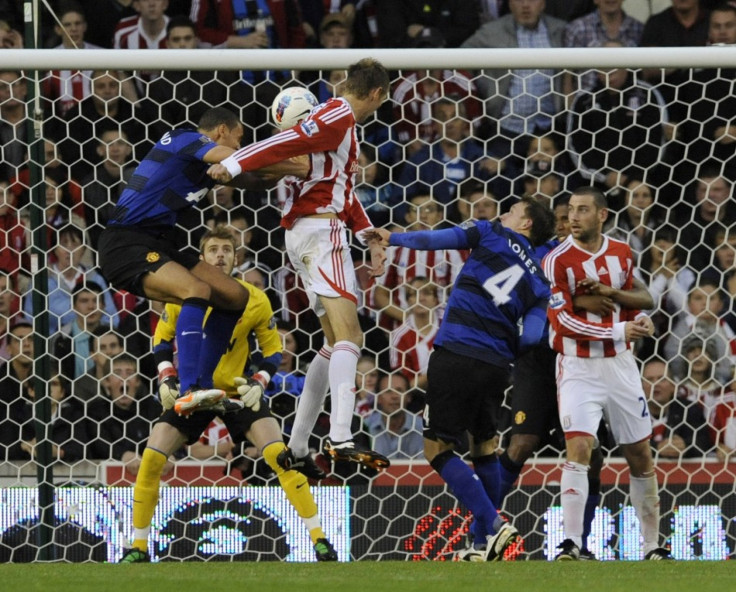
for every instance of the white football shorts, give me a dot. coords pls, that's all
(588, 388)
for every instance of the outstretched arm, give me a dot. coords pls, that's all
(423, 240)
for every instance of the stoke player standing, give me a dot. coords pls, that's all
(315, 218)
(597, 374)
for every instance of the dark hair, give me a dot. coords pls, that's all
(180, 20)
(85, 286)
(599, 198)
(366, 75)
(543, 220)
(724, 6)
(382, 375)
(70, 6)
(216, 116)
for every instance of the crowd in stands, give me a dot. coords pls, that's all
(451, 146)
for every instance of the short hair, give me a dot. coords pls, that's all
(599, 198)
(216, 116)
(723, 6)
(381, 375)
(219, 231)
(68, 6)
(543, 220)
(85, 286)
(365, 76)
(126, 358)
(180, 21)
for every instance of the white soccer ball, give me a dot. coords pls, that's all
(291, 106)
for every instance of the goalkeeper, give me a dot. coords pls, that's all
(246, 417)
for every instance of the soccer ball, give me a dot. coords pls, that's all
(291, 106)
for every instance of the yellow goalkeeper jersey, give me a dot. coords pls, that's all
(258, 317)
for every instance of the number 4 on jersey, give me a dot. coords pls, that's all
(502, 284)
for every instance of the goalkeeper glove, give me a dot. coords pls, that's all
(168, 389)
(251, 389)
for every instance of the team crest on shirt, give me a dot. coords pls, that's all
(152, 257)
(310, 128)
(557, 300)
(519, 418)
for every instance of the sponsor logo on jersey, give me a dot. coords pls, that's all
(152, 257)
(310, 128)
(519, 418)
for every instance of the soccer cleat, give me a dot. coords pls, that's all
(324, 551)
(350, 452)
(305, 464)
(135, 555)
(197, 399)
(228, 405)
(569, 551)
(586, 555)
(658, 554)
(506, 536)
(471, 554)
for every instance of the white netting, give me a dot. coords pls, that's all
(664, 155)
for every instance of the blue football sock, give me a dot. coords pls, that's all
(466, 487)
(189, 340)
(508, 473)
(218, 330)
(486, 467)
(588, 514)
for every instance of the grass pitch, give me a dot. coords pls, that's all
(525, 576)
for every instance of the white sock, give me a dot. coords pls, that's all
(644, 493)
(343, 365)
(574, 487)
(309, 403)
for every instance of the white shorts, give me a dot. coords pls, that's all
(319, 251)
(589, 388)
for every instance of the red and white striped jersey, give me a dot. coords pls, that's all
(723, 421)
(129, 34)
(581, 333)
(215, 433)
(410, 349)
(68, 87)
(403, 265)
(329, 136)
(707, 395)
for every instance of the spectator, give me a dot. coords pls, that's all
(180, 97)
(608, 22)
(14, 375)
(365, 385)
(71, 345)
(618, 129)
(146, 31)
(66, 274)
(724, 255)
(403, 265)
(454, 157)
(288, 382)
(476, 202)
(60, 208)
(103, 186)
(105, 109)
(65, 88)
(121, 416)
(709, 131)
(372, 187)
(723, 424)
(401, 23)
(106, 345)
(684, 24)
(13, 235)
(396, 432)
(704, 317)
(9, 37)
(679, 429)
(664, 271)
(411, 342)
(13, 123)
(67, 429)
(107, 15)
(636, 223)
(335, 31)
(9, 306)
(522, 101)
(698, 380)
(714, 210)
(414, 96)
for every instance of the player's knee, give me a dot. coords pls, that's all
(270, 454)
(521, 447)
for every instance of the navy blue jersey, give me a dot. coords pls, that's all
(171, 178)
(539, 253)
(499, 284)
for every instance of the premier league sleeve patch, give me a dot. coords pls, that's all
(310, 128)
(557, 300)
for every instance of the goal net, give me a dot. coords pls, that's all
(445, 149)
